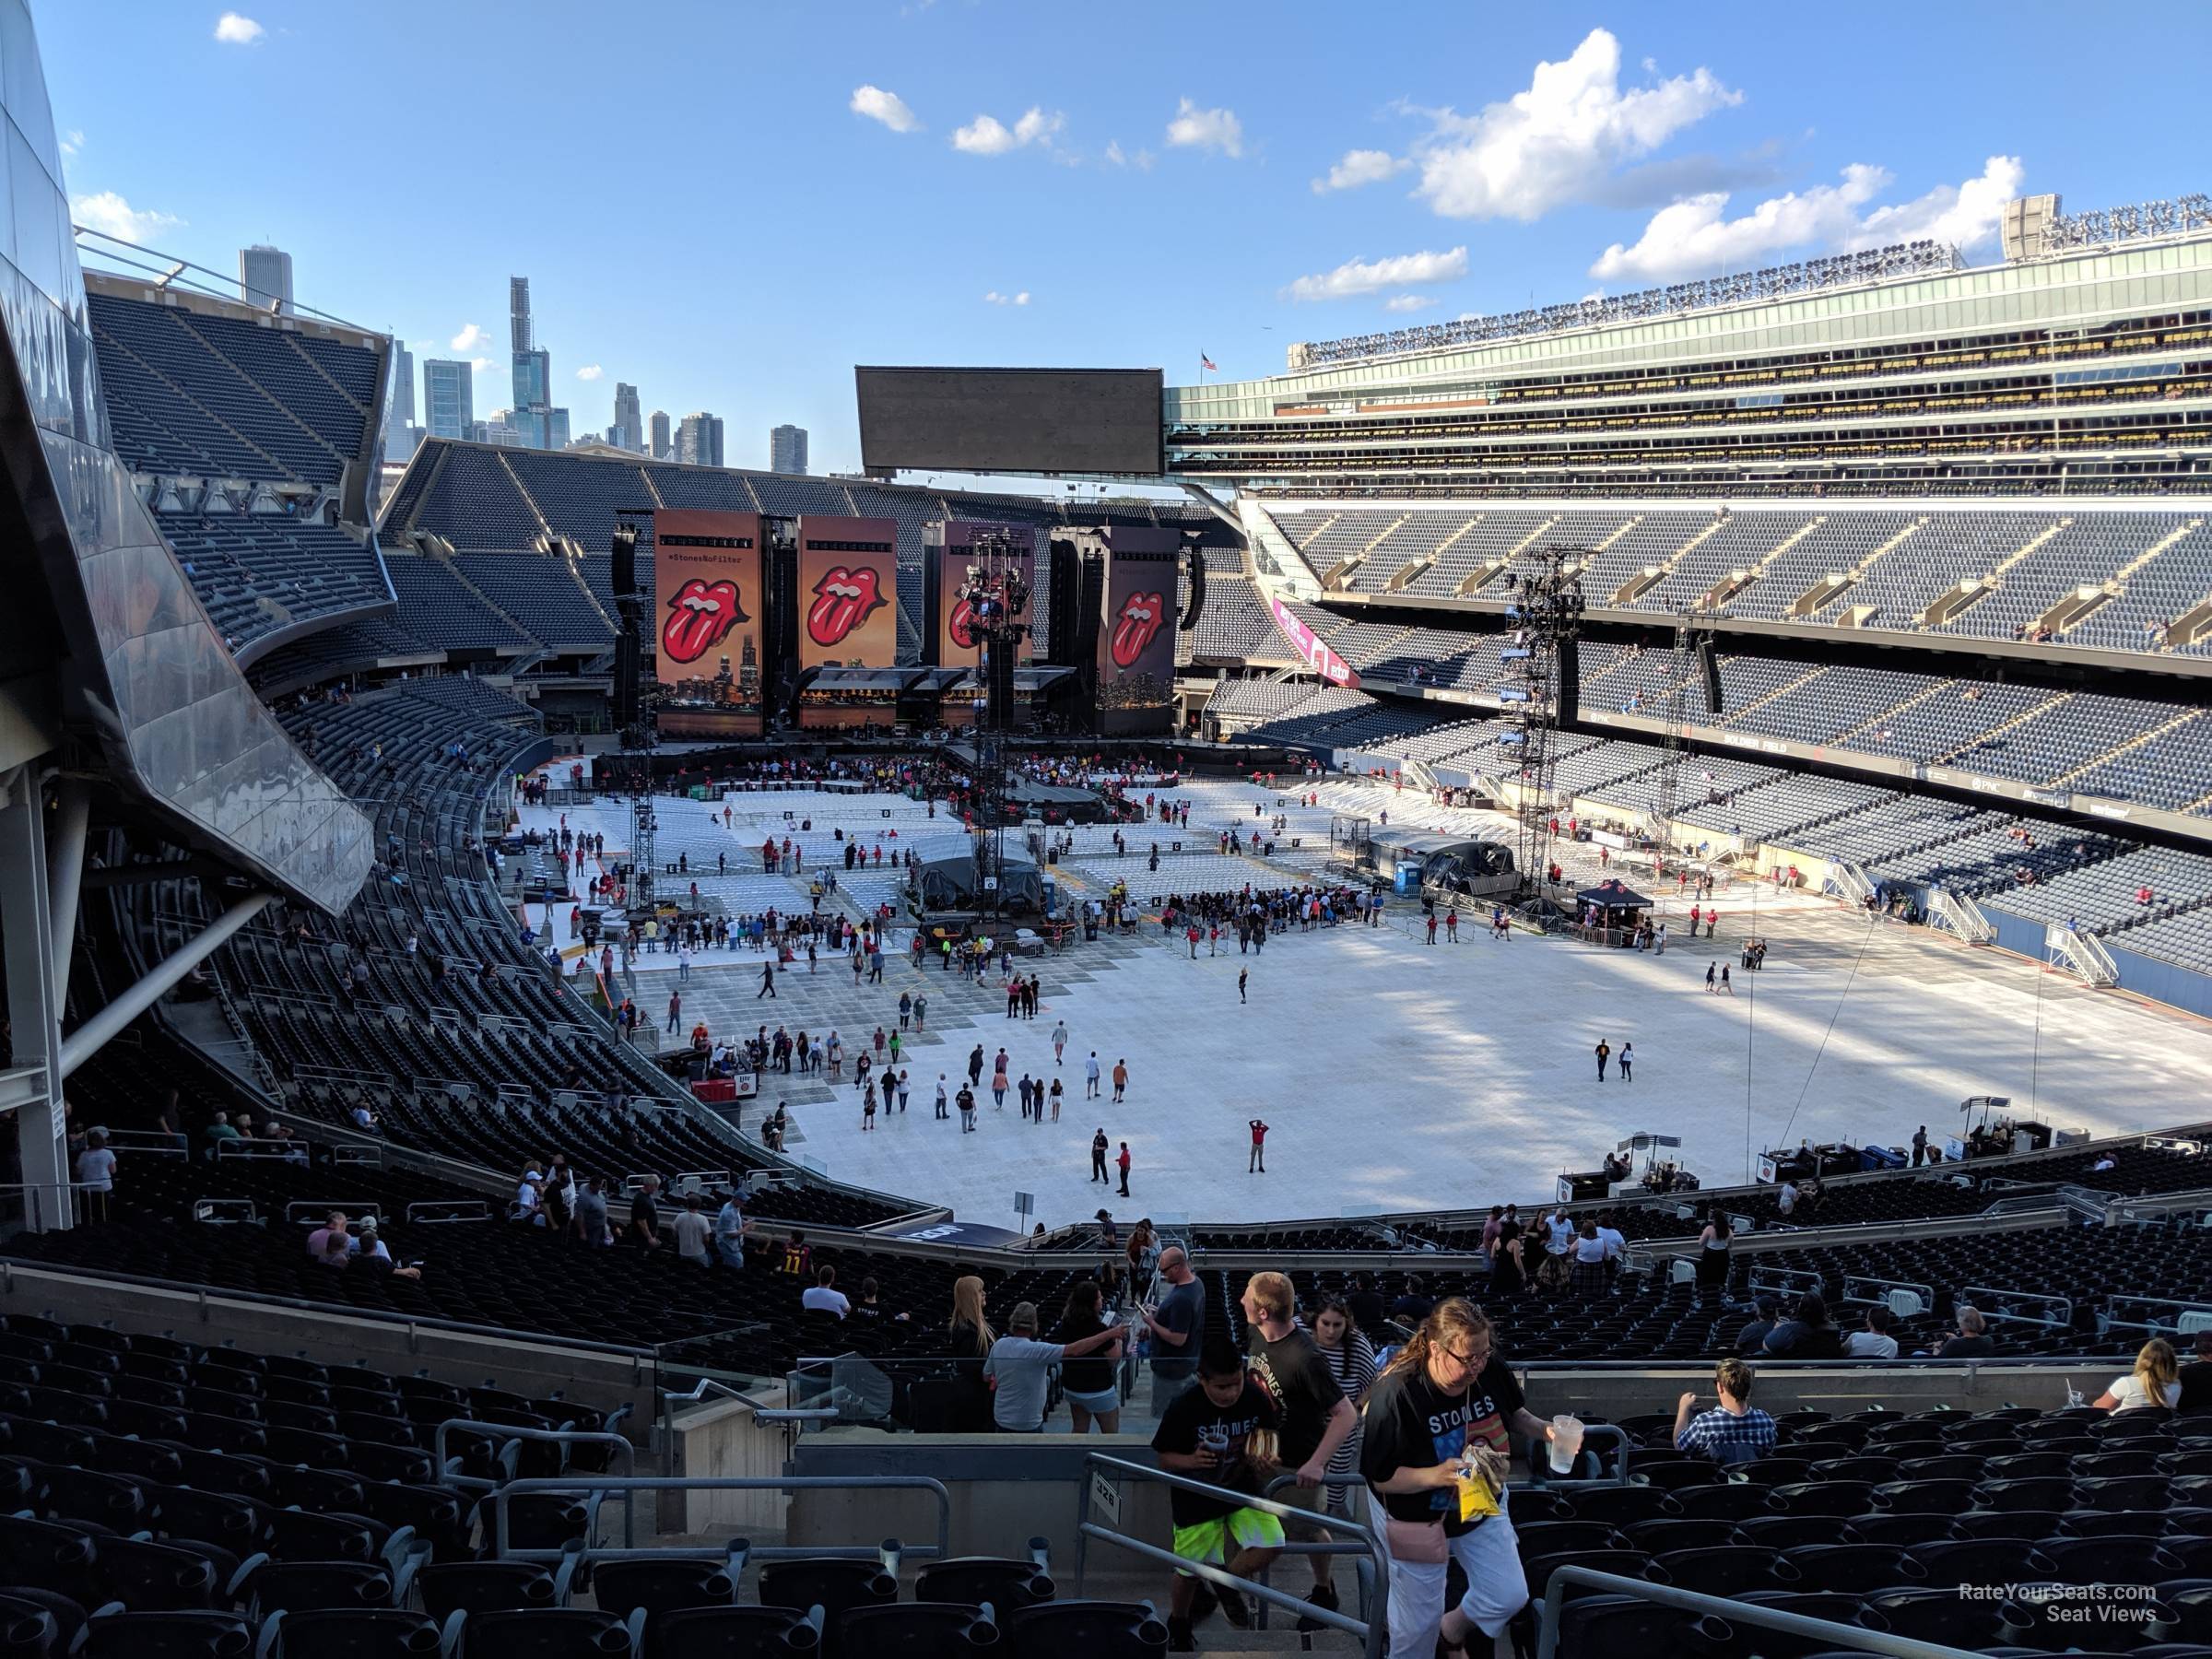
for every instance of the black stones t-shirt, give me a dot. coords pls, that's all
(1411, 1423)
(1296, 1375)
(1193, 1423)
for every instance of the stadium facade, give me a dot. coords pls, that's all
(2086, 368)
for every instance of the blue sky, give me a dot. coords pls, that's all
(731, 204)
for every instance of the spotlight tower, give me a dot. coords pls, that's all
(996, 594)
(1542, 673)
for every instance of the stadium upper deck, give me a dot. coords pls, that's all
(2089, 369)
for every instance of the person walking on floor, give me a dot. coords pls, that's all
(1123, 1161)
(942, 1113)
(966, 1101)
(1120, 1079)
(767, 980)
(1243, 975)
(1726, 983)
(1604, 1053)
(675, 1009)
(1628, 1063)
(1711, 971)
(906, 1007)
(1432, 928)
(1098, 1155)
(1091, 1077)
(1059, 1039)
(1257, 1163)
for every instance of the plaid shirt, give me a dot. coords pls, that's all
(1727, 1438)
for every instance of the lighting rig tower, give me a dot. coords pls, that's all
(1541, 689)
(996, 594)
(634, 723)
(1693, 658)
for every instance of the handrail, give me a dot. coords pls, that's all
(765, 1411)
(558, 1437)
(1369, 1631)
(1822, 1633)
(1998, 1304)
(587, 1486)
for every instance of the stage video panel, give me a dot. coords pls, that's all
(848, 592)
(707, 641)
(1136, 635)
(1010, 421)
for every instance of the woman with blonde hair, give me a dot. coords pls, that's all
(2156, 1380)
(969, 1340)
(1434, 1447)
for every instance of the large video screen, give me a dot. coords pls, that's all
(1136, 635)
(706, 581)
(848, 592)
(1010, 421)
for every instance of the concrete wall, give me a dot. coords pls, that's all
(725, 1440)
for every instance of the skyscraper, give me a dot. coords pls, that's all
(787, 449)
(533, 413)
(660, 435)
(628, 431)
(699, 439)
(449, 398)
(401, 412)
(264, 274)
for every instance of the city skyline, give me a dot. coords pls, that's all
(1475, 165)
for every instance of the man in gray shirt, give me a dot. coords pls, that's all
(590, 1212)
(1019, 1367)
(1177, 1327)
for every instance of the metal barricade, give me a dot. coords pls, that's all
(624, 1486)
(1369, 1630)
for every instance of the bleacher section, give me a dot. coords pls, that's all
(2084, 574)
(259, 574)
(216, 397)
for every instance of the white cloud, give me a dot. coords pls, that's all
(590, 372)
(232, 29)
(469, 338)
(1361, 276)
(1193, 128)
(1114, 154)
(1140, 158)
(995, 298)
(988, 135)
(1962, 214)
(1694, 237)
(72, 141)
(1360, 167)
(1557, 142)
(1407, 302)
(481, 365)
(112, 216)
(886, 107)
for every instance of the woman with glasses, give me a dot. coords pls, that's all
(1433, 1451)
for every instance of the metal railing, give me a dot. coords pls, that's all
(2018, 1307)
(1821, 1634)
(589, 1486)
(624, 1451)
(1369, 1630)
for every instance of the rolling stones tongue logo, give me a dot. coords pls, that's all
(1133, 629)
(962, 625)
(844, 599)
(700, 615)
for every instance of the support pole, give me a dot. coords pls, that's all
(34, 1012)
(64, 872)
(81, 1044)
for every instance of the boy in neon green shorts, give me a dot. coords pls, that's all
(1207, 1434)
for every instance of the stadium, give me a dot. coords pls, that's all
(1673, 832)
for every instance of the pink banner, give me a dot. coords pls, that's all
(1318, 657)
